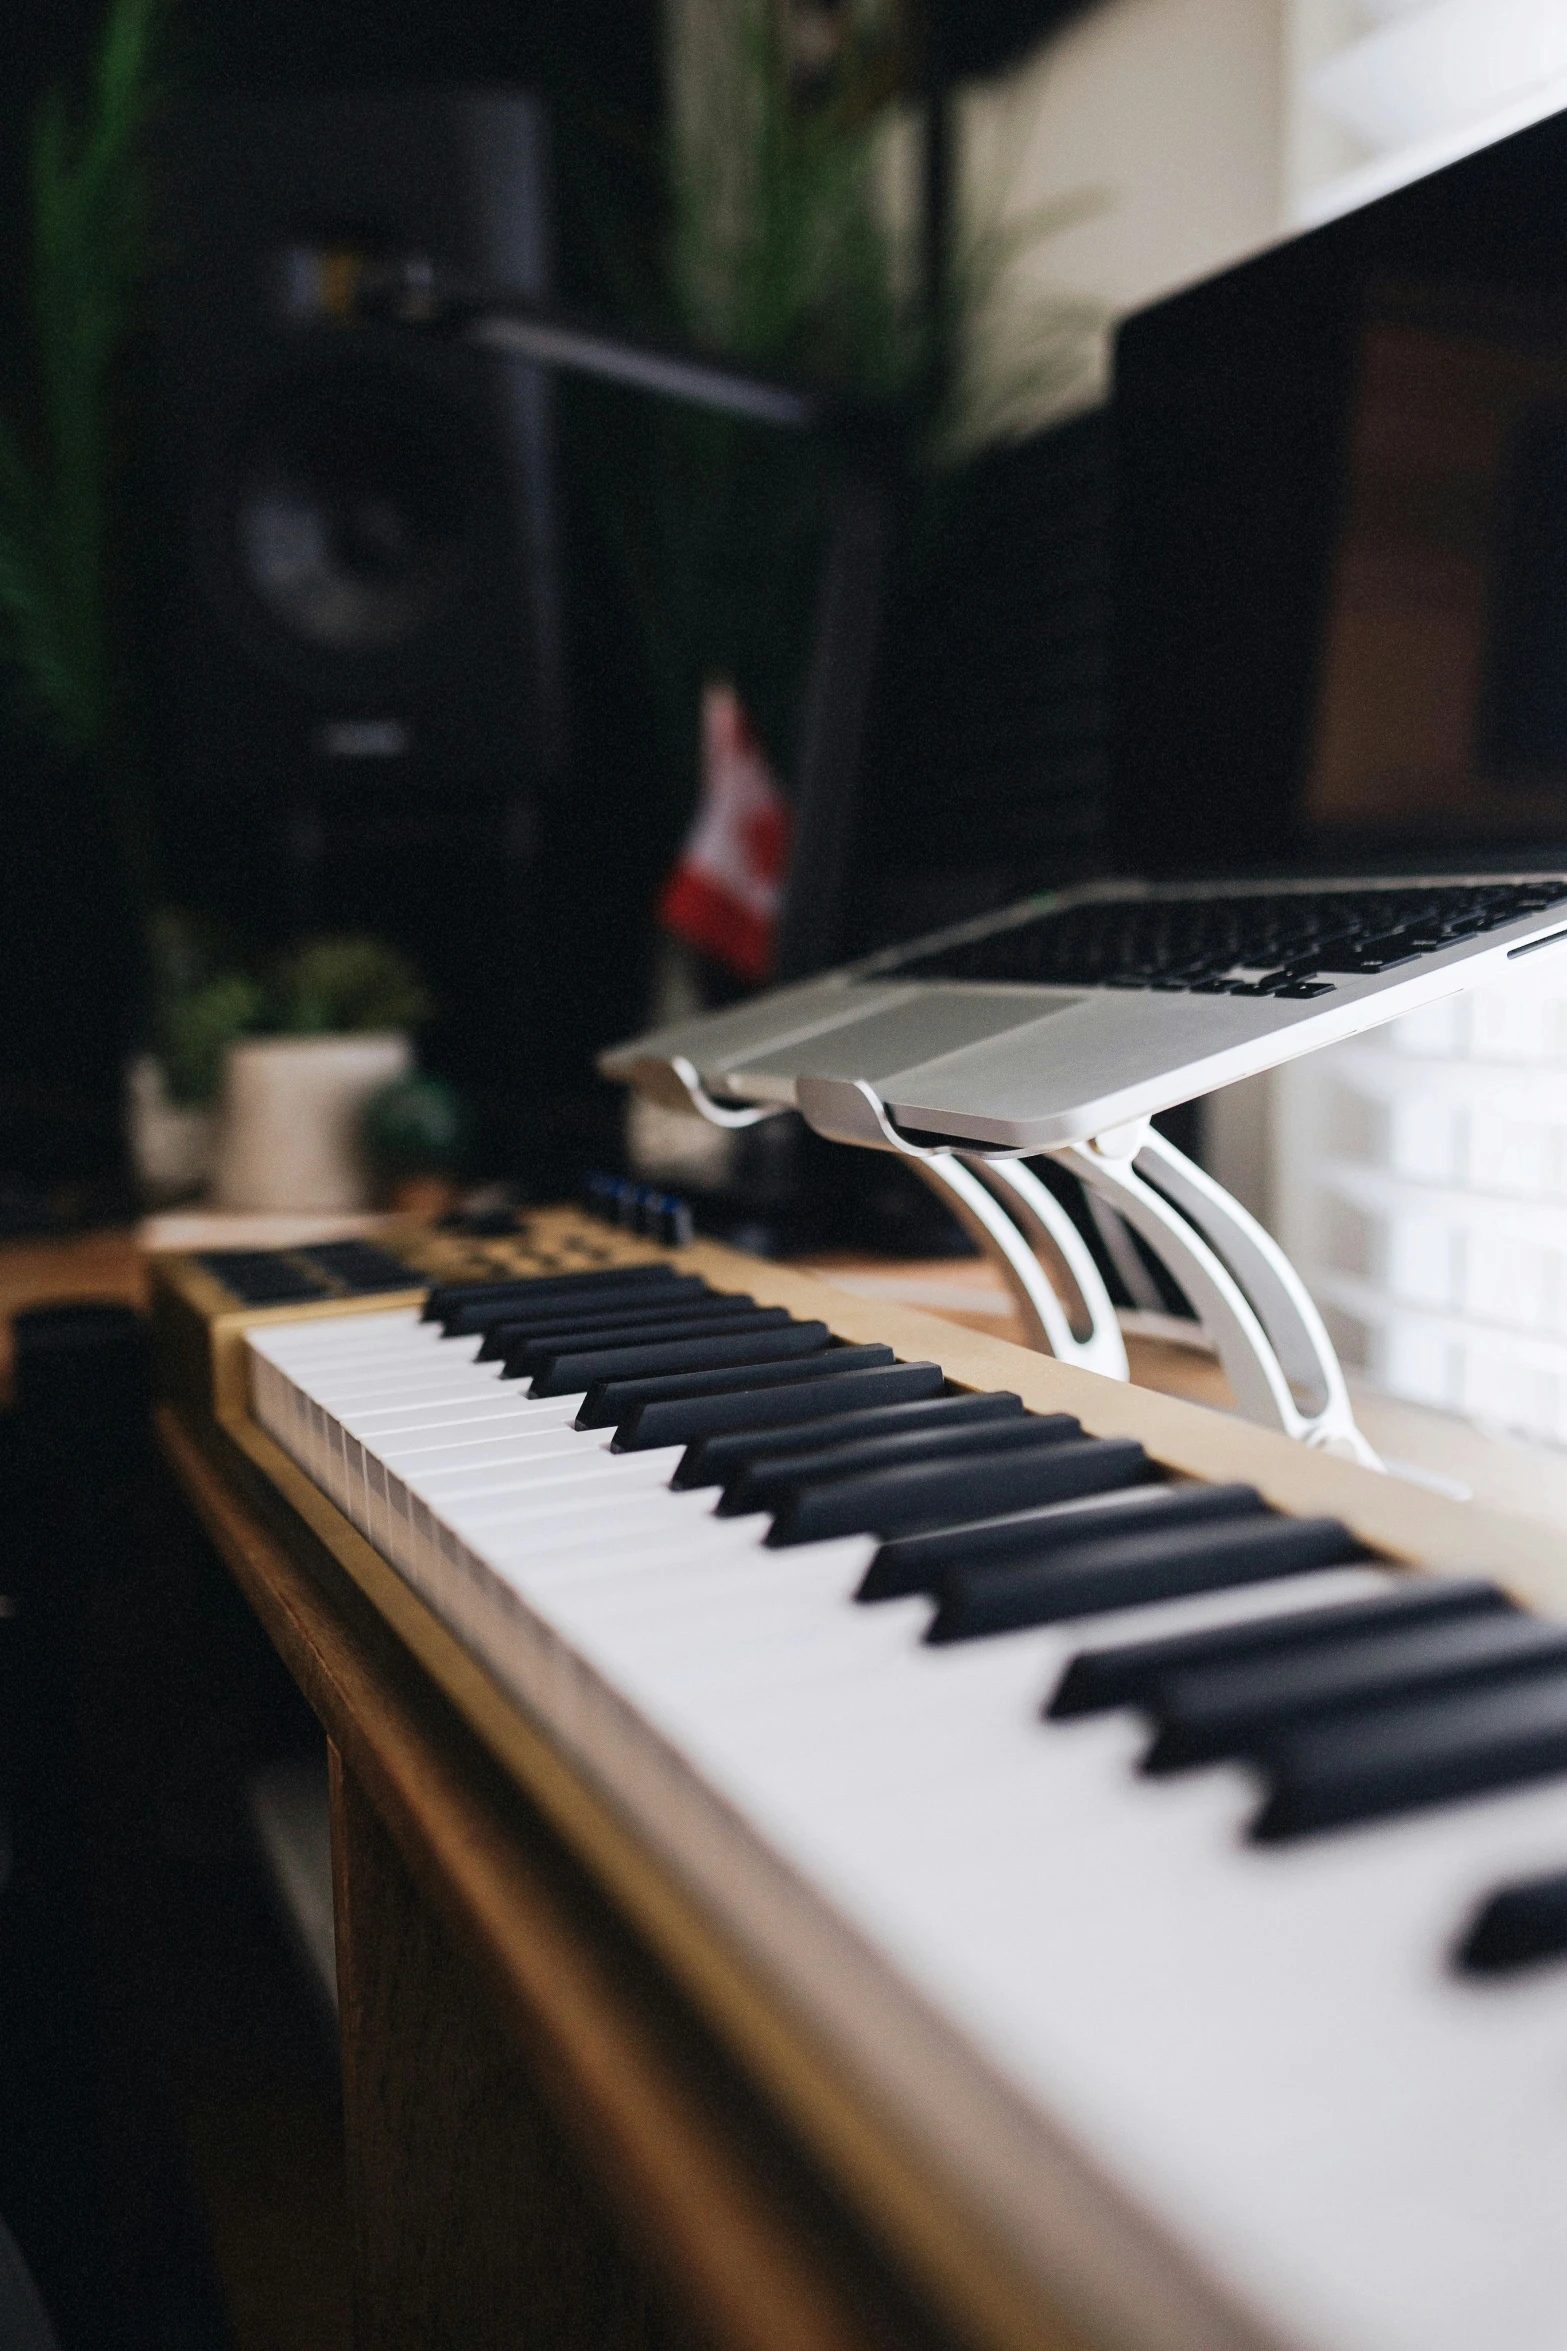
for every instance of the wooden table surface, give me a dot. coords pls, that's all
(88, 1265)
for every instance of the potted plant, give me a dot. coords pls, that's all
(338, 1021)
(201, 1003)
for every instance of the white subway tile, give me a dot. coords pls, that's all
(1427, 1139)
(1423, 1256)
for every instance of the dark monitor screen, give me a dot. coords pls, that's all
(1341, 540)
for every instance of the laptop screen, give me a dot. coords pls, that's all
(1341, 542)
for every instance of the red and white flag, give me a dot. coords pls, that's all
(724, 894)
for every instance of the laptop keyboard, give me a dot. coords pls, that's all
(1293, 944)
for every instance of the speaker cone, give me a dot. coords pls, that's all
(348, 516)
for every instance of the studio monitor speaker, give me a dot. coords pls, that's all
(362, 690)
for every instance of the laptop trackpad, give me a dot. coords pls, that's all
(938, 1020)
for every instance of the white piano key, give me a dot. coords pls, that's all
(502, 1413)
(509, 1458)
(381, 1371)
(574, 1492)
(453, 1421)
(580, 1502)
(320, 1344)
(454, 1446)
(386, 1394)
(578, 1545)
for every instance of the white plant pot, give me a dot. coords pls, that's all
(171, 1144)
(288, 1135)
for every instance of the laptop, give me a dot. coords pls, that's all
(1339, 755)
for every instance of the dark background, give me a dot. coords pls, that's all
(70, 985)
(990, 701)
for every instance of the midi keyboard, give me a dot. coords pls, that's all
(1160, 1831)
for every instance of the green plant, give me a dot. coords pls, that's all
(784, 245)
(790, 245)
(202, 1004)
(414, 1126)
(772, 249)
(205, 1000)
(336, 986)
(780, 245)
(90, 205)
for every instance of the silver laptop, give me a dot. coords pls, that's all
(1076, 1013)
(1340, 678)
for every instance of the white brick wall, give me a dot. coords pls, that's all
(1420, 1183)
(1381, 91)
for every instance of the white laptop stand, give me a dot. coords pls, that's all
(1252, 1304)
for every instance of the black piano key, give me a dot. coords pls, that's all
(767, 1341)
(500, 1338)
(774, 1485)
(1098, 1679)
(525, 1313)
(920, 1563)
(1211, 1711)
(1396, 1759)
(622, 1404)
(445, 1297)
(1519, 1925)
(534, 1350)
(718, 1460)
(885, 1502)
(525, 1308)
(1132, 1571)
(792, 1393)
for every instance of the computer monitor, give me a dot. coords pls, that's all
(1340, 560)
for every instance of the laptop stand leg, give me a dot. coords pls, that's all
(1248, 1297)
(1002, 1206)
(1093, 1335)
(1015, 1232)
(1008, 1212)
(1250, 1300)
(1122, 1252)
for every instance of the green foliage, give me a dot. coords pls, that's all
(201, 1005)
(780, 250)
(414, 1126)
(332, 987)
(1018, 353)
(783, 247)
(778, 253)
(90, 218)
(205, 999)
(197, 1030)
